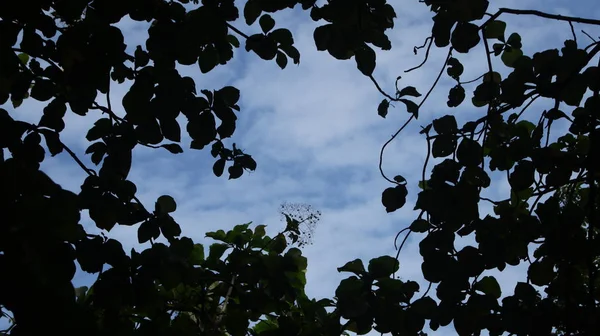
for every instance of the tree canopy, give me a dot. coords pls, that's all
(68, 55)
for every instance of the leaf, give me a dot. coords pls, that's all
(219, 167)
(455, 68)
(173, 148)
(456, 96)
(383, 107)
(445, 125)
(495, 29)
(230, 94)
(510, 56)
(541, 272)
(394, 198)
(465, 36)
(233, 40)
(24, 58)
(383, 266)
(411, 107)
(266, 23)
(252, 11)
(356, 266)
(489, 286)
(281, 60)
(425, 307)
(365, 60)
(148, 230)
(469, 153)
(208, 59)
(420, 226)
(170, 129)
(235, 171)
(165, 204)
(409, 91)
(523, 175)
(514, 40)
(53, 142)
(443, 145)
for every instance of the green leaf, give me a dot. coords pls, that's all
(443, 145)
(24, 58)
(266, 23)
(541, 272)
(215, 251)
(230, 94)
(455, 68)
(445, 125)
(510, 56)
(365, 60)
(235, 171)
(281, 60)
(148, 230)
(425, 307)
(411, 107)
(233, 41)
(465, 36)
(469, 153)
(394, 198)
(514, 40)
(489, 286)
(456, 96)
(356, 266)
(165, 204)
(523, 176)
(383, 107)
(383, 266)
(219, 167)
(420, 225)
(495, 29)
(409, 91)
(252, 11)
(173, 148)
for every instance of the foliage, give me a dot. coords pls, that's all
(68, 53)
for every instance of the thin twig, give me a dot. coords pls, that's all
(588, 35)
(411, 117)
(430, 38)
(573, 31)
(239, 32)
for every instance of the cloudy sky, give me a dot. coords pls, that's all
(316, 135)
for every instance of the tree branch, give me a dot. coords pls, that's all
(544, 15)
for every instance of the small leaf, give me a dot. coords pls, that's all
(409, 91)
(230, 94)
(455, 68)
(383, 107)
(411, 107)
(445, 125)
(383, 266)
(394, 198)
(233, 41)
(266, 23)
(281, 60)
(252, 11)
(514, 40)
(165, 204)
(465, 36)
(365, 60)
(356, 266)
(489, 286)
(219, 167)
(148, 230)
(173, 148)
(235, 171)
(495, 29)
(420, 226)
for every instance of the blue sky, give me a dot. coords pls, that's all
(316, 135)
